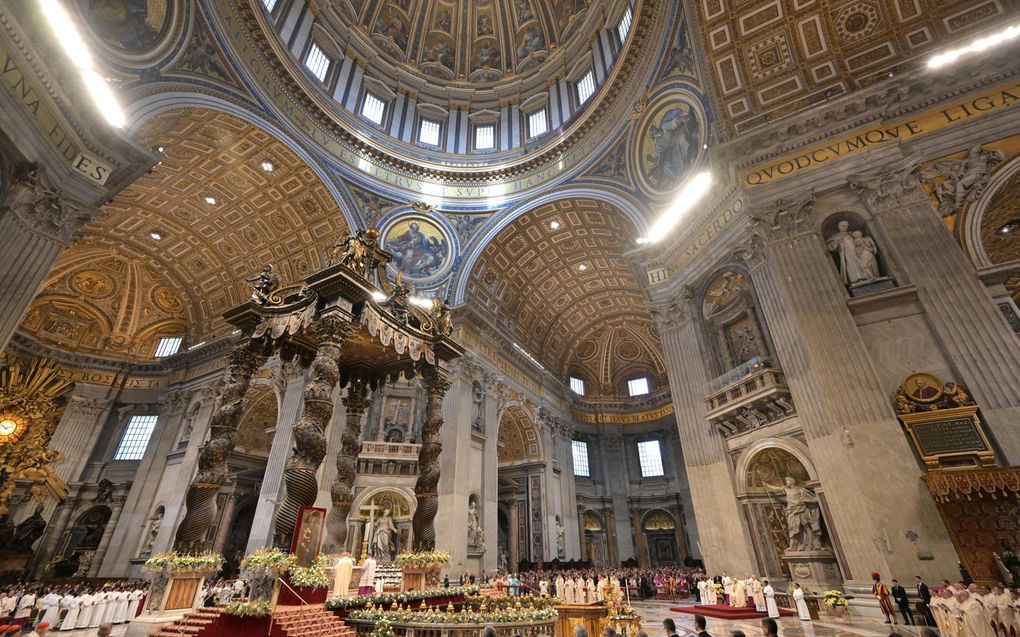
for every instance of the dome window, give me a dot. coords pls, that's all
(373, 108)
(538, 123)
(168, 346)
(637, 386)
(623, 28)
(585, 88)
(317, 62)
(485, 137)
(428, 132)
(577, 385)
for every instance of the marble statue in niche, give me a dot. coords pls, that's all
(803, 515)
(561, 534)
(857, 255)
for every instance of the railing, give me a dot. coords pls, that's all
(737, 374)
(547, 628)
(400, 450)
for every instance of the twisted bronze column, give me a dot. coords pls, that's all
(200, 501)
(423, 523)
(309, 432)
(346, 467)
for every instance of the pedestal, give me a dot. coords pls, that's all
(171, 597)
(414, 580)
(816, 571)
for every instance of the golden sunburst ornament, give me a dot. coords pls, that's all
(29, 411)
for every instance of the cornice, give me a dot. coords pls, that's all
(25, 345)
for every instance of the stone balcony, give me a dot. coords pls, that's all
(751, 396)
(388, 458)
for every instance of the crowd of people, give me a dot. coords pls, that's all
(585, 585)
(222, 591)
(40, 608)
(960, 610)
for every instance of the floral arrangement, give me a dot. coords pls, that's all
(313, 576)
(720, 591)
(174, 562)
(450, 616)
(423, 558)
(382, 629)
(269, 561)
(503, 602)
(833, 599)
(388, 599)
(249, 609)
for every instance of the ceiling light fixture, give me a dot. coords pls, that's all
(156, 235)
(980, 44)
(555, 225)
(209, 199)
(159, 149)
(582, 267)
(267, 166)
(690, 194)
(78, 53)
(1009, 227)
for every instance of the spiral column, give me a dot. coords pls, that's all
(200, 501)
(357, 402)
(423, 523)
(309, 432)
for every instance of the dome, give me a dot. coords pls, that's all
(471, 41)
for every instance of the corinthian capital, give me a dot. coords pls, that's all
(889, 187)
(674, 311)
(44, 210)
(781, 219)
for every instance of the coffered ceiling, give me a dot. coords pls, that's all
(569, 297)
(774, 57)
(166, 260)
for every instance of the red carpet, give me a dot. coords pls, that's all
(719, 611)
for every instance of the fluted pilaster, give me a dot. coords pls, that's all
(36, 223)
(959, 307)
(346, 467)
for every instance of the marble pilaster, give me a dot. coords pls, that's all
(711, 480)
(290, 391)
(957, 304)
(836, 390)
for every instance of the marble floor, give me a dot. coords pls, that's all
(653, 612)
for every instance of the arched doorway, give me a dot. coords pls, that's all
(659, 529)
(595, 541)
(382, 524)
(521, 487)
(82, 542)
(237, 537)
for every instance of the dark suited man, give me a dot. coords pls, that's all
(899, 595)
(925, 595)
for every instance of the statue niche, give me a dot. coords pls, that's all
(856, 256)
(732, 323)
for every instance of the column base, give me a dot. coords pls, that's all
(816, 571)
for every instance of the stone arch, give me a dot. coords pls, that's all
(658, 520)
(792, 448)
(261, 411)
(998, 204)
(518, 440)
(402, 503)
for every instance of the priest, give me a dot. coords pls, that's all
(770, 600)
(342, 575)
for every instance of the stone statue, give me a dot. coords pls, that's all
(857, 255)
(1008, 563)
(26, 533)
(263, 285)
(965, 178)
(472, 522)
(477, 398)
(383, 534)
(151, 532)
(501, 561)
(561, 534)
(803, 516)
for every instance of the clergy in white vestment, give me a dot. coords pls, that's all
(579, 591)
(1007, 612)
(712, 592)
(974, 615)
(123, 604)
(24, 609)
(727, 584)
(702, 591)
(49, 604)
(739, 597)
(543, 588)
(770, 600)
(366, 586)
(99, 609)
(135, 605)
(758, 595)
(7, 606)
(802, 609)
(342, 575)
(85, 608)
(72, 603)
(568, 591)
(560, 593)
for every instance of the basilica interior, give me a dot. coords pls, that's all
(720, 284)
